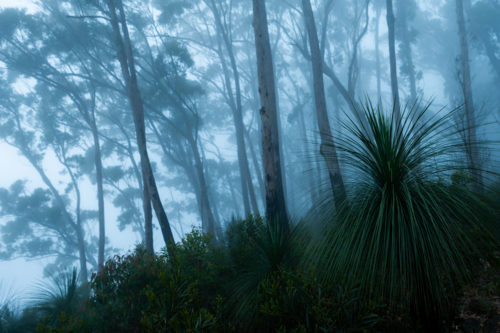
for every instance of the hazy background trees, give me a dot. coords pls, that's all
(75, 85)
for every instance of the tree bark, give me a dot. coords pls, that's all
(275, 200)
(392, 59)
(470, 130)
(328, 149)
(126, 59)
(148, 220)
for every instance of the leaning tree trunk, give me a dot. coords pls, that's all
(392, 59)
(126, 59)
(328, 149)
(275, 200)
(470, 130)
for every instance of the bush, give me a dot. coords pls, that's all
(301, 304)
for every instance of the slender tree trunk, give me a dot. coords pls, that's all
(471, 145)
(238, 116)
(100, 191)
(328, 149)
(256, 166)
(148, 221)
(402, 14)
(275, 200)
(255, 102)
(377, 51)
(211, 194)
(392, 58)
(126, 59)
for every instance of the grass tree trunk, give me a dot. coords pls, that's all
(328, 149)
(470, 126)
(275, 200)
(126, 59)
(392, 60)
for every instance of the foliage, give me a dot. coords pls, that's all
(64, 294)
(131, 292)
(413, 235)
(174, 306)
(300, 302)
(257, 249)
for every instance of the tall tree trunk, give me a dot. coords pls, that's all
(126, 59)
(378, 12)
(100, 191)
(471, 143)
(207, 215)
(403, 16)
(211, 194)
(256, 165)
(392, 59)
(238, 116)
(148, 220)
(255, 103)
(275, 200)
(328, 149)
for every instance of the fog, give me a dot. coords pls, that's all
(62, 90)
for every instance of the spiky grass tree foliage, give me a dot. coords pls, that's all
(264, 248)
(62, 293)
(408, 233)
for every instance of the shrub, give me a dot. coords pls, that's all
(302, 304)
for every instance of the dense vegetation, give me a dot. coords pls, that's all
(227, 114)
(411, 236)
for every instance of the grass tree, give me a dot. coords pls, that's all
(410, 233)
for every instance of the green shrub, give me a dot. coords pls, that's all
(174, 307)
(301, 304)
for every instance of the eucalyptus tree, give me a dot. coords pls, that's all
(214, 26)
(392, 59)
(38, 47)
(275, 199)
(406, 11)
(327, 149)
(173, 103)
(44, 218)
(126, 59)
(484, 24)
(470, 127)
(298, 37)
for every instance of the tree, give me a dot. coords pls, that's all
(392, 59)
(46, 210)
(275, 199)
(470, 128)
(327, 150)
(405, 13)
(36, 64)
(126, 58)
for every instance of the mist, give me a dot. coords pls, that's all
(126, 122)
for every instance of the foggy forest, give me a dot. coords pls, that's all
(250, 166)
